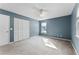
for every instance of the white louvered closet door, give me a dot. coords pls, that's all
(21, 29)
(26, 29)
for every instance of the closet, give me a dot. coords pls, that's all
(21, 29)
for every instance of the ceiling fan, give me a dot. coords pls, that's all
(41, 11)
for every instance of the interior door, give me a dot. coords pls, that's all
(4, 29)
(21, 29)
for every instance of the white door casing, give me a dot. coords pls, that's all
(4, 29)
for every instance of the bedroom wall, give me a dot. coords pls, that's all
(58, 27)
(34, 30)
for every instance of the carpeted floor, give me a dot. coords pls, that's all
(38, 45)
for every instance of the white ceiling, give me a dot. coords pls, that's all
(53, 10)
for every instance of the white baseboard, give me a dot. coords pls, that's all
(13, 42)
(57, 38)
(62, 39)
(74, 48)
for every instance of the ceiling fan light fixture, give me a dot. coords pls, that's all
(43, 13)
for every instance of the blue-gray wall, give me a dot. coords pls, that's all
(34, 28)
(59, 27)
(75, 40)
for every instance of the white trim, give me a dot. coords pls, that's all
(74, 48)
(56, 38)
(63, 39)
(18, 41)
(14, 42)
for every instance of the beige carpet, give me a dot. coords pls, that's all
(38, 45)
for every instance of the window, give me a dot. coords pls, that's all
(43, 27)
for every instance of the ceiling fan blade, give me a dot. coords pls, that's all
(35, 8)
